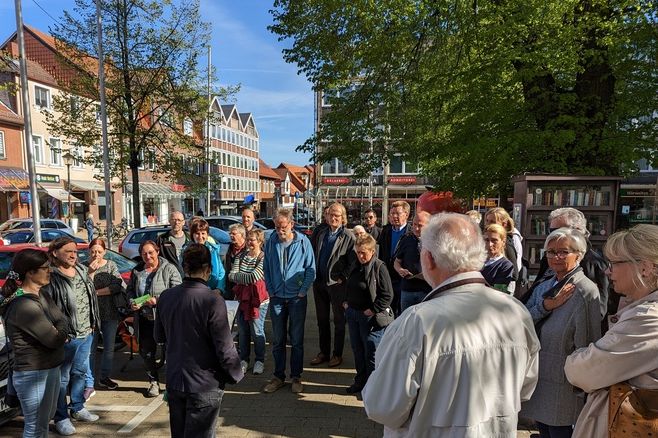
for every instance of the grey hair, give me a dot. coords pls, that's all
(576, 240)
(284, 212)
(358, 227)
(455, 242)
(574, 218)
(239, 227)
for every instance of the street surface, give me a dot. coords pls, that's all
(322, 410)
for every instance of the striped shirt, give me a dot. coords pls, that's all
(247, 269)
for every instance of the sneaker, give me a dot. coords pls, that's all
(84, 415)
(259, 367)
(154, 390)
(108, 383)
(297, 386)
(64, 427)
(273, 385)
(244, 365)
(89, 392)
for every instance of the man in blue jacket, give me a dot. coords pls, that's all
(289, 273)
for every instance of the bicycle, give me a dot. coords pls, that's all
(118, 231)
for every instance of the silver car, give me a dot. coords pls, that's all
(129, 247)
(29, 223)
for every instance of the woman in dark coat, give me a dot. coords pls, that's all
(367, 308)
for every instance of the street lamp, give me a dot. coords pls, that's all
(69, 159)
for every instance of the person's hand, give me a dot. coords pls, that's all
(339, 281)
(404, 273)
(368, 313)
(562, 297)
(301, 296)
(151, 302)
(134, 307)
(345, 305)
(94, 264)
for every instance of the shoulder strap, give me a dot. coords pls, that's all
(436, 292)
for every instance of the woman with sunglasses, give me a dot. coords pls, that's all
(565, 310)
(627, 352)
(37, 330)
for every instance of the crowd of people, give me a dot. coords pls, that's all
(448, 336)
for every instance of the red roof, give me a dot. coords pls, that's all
(9, 116)
(266, 171)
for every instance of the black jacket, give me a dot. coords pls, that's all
(594, 267)
(375, 231)
(384, 243)
(340, 258)
(168, 249)
(192, 321)
(60, 290)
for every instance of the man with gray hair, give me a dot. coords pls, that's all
(593, 264)
(461, 362)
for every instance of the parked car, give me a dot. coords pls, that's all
(223, 222)
(268, 223)
(129, 246)
(29, 223)
(26, 235)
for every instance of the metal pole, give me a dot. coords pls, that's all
(109, 200)
(68, 188)
(27, 120)
(208, 136)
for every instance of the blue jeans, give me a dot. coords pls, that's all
(284, 312)
(408, 299)
(252, 328)
(109, 330)
(37, 390)
(364, 339)
(74, 369)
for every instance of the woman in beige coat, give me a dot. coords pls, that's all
(627, 352)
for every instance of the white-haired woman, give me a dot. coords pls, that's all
(565, 310)
(627, 352)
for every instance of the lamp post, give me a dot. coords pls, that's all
(68, 162)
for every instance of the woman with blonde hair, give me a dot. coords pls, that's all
(626, 354)
(500, 216)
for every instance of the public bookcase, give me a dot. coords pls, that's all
(535, 196)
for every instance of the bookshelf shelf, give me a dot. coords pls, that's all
(535, 196)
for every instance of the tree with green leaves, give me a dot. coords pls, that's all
(154, 88)
(479, 91)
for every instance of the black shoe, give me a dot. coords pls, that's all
(353, 389)
(108, 383)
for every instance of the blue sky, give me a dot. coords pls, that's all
(243, 52)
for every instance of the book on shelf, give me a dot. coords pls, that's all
(591, 196)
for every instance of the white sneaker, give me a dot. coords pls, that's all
(84, 415)
(244, 365)
(259, 367)
(64, 427)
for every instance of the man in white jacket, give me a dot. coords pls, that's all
(459, 363)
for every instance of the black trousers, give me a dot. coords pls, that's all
(148, 348)
(328, 299)
(194, 415)
(395, 304)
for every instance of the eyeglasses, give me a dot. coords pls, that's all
(45, 267)
(612, 263)
(561, 254)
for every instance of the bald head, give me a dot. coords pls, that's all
(451, 244)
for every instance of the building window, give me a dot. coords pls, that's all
(187, 127)
(395, 166)
(79, 156)
(55, 152)
(41, 97)
(3, 152)
(38, 149)
(151, 160)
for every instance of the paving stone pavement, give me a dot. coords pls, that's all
(322, 410)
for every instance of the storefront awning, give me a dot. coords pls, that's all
(13, 179)
(155, 190)
(62, 195)
(98, 186)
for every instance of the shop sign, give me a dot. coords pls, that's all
(402, 180)
(178, 188)
(485, 202)
(375, 179)
(47, 178)
(636, 192)
(336, 181)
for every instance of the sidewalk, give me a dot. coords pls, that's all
(322, 410)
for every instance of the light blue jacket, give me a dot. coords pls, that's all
(217, 279)
(297, 274)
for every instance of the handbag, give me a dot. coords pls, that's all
(632, 412)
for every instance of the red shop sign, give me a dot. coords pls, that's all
(335, 181)
(402, 180)
(178, 187)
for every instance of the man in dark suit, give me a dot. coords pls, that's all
(370, 223)
(388, 243)
(201, 359)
